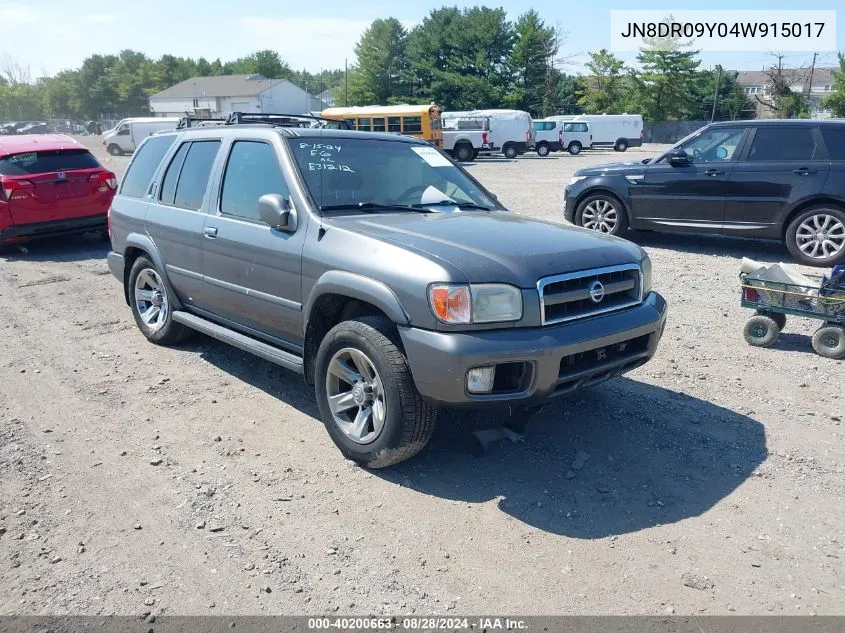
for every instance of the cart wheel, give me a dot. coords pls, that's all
(777, 317)
(761, 331)
(829, 341)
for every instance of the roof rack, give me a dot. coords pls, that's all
(286, 120)
(192, 121)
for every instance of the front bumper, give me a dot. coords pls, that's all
(562, 358)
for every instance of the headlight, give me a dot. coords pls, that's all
(477, 303)
(575, 179)
(645, 264)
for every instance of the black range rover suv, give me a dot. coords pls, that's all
(774, 179)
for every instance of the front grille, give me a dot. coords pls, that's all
(589, 292)
(598, 364)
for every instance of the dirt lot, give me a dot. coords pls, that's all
(198, 480)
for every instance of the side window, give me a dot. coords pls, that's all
(196, 171)
(251, 171)
(143, 165)
(378, 125)
(776, 143)
(580, 127)
(834, 140)
(715, 145)
(412, 125)
(171, 176)
(568, 127)
(364, 125)
(394, 124)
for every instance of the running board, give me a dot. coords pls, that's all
(241, 341)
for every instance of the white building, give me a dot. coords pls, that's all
(219, 96)
(754, 85)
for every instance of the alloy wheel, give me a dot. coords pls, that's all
(600, 215)
(151, 299)
(356, 395)
(821, 236)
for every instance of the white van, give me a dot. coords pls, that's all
(619, 131)
(554, 135)
(124, 137)
(512, 130)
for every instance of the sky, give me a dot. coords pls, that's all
(52, 35)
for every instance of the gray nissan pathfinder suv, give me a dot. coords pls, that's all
(377, 268)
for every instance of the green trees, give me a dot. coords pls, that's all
(532, 66)
(602, 90)
(836, 100)
(382, 64)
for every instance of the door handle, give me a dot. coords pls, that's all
(803, 171)
(210, 232)
(714, 172)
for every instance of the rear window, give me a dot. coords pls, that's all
(143, 165)
(29, 163)
(834, 140)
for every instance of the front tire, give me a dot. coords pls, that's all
(366, 394)
(816, 236)
(543, 150)
(574, 148)
(761, 331)
(152, 306)
(602, 213)
(829, 341)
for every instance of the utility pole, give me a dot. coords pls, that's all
(716, 93)
(346, 82)
(812, 71)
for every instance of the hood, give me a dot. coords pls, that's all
(496, 246)
(612, 168)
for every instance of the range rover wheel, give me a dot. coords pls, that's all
(114, 150)
(543, 149)
(761, 331)
(621, 145)
(602, 213)
(510, 151)
(829, 341)
(151, 305)
(816, 237)
(574, 148)
(366, 394)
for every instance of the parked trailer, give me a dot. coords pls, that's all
(512, 130)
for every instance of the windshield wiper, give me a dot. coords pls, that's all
(451, 203)
(370, 207)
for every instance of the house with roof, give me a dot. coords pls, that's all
(212, 97)
(817, 85)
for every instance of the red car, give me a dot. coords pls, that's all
(51, 185)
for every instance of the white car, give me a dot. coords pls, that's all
(555, 135)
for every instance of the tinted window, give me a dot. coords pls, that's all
(43, 162)
(143, 165)
(251, 171)
(412, 125)
(784, 143)
(834, 140)
(714, 145)
(364, 125)
(171, 177)
(378, 125)
(195, 174)
(394, 124)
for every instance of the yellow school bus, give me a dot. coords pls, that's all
(422, 121)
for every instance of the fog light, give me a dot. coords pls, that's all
(480, 379)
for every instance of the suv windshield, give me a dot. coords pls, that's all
(350, 173)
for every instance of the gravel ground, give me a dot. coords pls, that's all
(198, 480)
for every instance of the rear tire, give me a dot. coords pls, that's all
(761, 331)
(621, 145)
(402, 424)
(777, 317)
(464, 152)
(148, 291)
(802, 236)
(574, 148)
(510, 151)
(114, 150)
(543, 149)
(829, 341)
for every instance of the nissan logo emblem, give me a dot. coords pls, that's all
(596, 291)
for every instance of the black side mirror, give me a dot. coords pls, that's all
(679, 158)
(277, 211)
